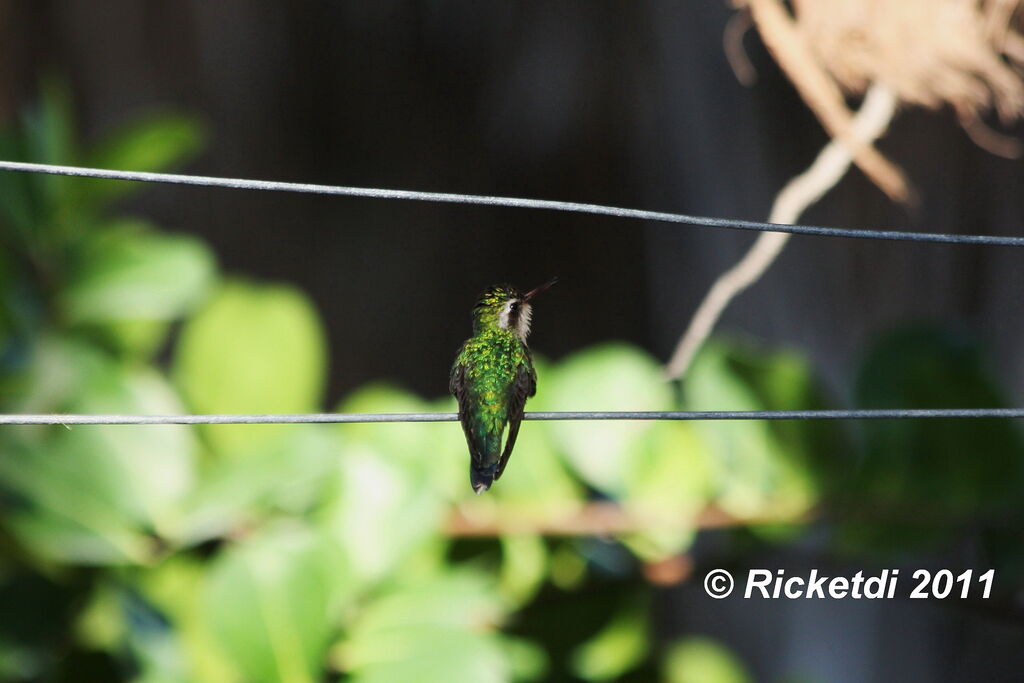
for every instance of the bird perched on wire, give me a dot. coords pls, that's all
(492, 377)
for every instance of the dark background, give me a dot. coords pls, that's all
(629, 104)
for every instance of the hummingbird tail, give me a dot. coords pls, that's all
(482, 477)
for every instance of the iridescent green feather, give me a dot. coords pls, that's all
(492, 377)
(491, 360)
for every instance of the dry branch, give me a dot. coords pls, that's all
(599, 519)
(805, 189)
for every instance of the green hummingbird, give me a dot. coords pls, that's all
(492, 377)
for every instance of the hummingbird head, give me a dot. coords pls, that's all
(504, 307)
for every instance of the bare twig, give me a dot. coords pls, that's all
(601, 519)
(1005, 146)
(802, 191)
(732, 44)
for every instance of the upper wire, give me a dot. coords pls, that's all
(334, 418)
(511, 202)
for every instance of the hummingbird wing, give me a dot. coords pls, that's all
(524, 387)
(458, 387)
(457, 381)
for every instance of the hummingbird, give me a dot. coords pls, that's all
(492, 377)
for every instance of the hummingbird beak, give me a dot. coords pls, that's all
(537, 290)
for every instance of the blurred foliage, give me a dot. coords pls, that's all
(702, 660)
(928, 476)
(295, 552)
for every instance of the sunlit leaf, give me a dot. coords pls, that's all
(251, 349)
(101, 624)
(568, 567)
(151, 143)
(528, 660)
(91, 494)
(133, 280)
(280, 475)
(524, 563)
(380, 510)
(535, 484)
(610, 377)
(449, 459)
(436, 655)
(702, 660)
(434, 631)
(176, 587)
(753, 473)
(270, 602)
(783, 380)
(390, 483)
(669, 483)
(409, 442)
(618, 647)
(130, 271)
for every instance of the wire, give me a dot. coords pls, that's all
(512, 202)
(332, 418)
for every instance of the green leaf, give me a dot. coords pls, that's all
(50, 139)
(152, 143)
(101, 623)
(440, 630)
(176, 588)
(609, 377)
(702, 660)
(783, 380)
(920, 477)
(669, 484)
(528, 660)
(18, 207)
(94, 494)
(460, 598)
(386, 499)
(620, 646)
(269, 603)
(434, 451)
(449, 455)
(409, 442)
(568, 567)
(524, 564)
(754, 474)
(132, 280)
(381, 510)
(437, 655)
(281, 475)
(535, 484)
(251, 349)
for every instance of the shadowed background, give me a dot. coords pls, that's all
(597, 102)
(629, 104)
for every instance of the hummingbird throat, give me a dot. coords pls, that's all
(516, 315)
